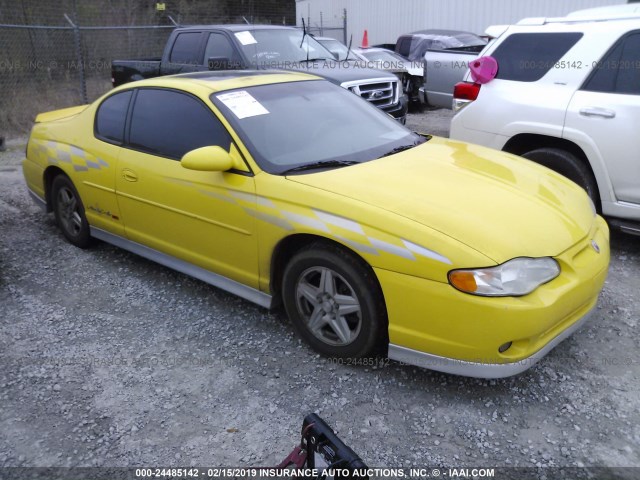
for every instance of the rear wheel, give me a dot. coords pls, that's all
(335, 302)
(69, 212)
(569, 165)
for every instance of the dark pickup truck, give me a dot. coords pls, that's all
(239, 47)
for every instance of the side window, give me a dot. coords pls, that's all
(603, 78)
(527, 57)
(628, 80)
(219, 46)
(186, 48)
(169, 124)
(619, 70)
(111, 117)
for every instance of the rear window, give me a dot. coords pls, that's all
(527, 57)
(404, 46)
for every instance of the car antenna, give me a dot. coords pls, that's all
(246, 21)
(349, 49)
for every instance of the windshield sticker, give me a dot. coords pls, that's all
(242, 104)
(246, 38)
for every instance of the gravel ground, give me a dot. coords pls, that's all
(107, 359)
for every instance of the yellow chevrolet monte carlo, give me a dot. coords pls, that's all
(284, 188)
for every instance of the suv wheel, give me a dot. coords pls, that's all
(569, 165)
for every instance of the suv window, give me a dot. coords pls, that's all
(111, 117)
(169, 124)
(619, 70)
(186, 48)
(527, 57)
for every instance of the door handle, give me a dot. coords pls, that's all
(129, 175)
(597, 112)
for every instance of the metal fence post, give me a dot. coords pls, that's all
(321, 26)
(344, 26)
(78, 47)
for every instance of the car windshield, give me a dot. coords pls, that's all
(280, 48)
(289, 125)
(338, 49)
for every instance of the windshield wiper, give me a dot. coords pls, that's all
(401, 148)
(314, 59)
(321, 164)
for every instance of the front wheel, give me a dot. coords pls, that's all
(334, 302)
(69, 212)
(567, 164)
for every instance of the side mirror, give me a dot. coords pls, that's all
(336, 54)
(207, 159)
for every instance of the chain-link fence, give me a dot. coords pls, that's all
(58, 54)
(44, 67)
(323, 29)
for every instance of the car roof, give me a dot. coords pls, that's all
(240, 27)
(570, 24)
(208, 82)
(440, 32)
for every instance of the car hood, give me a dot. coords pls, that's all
(498, 204)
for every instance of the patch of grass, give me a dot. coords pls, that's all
(19, 109)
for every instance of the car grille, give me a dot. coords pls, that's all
(380, 93)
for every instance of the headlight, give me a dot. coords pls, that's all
(516, 277)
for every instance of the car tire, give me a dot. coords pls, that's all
(569, 165)
(323, 279)
(69, 212)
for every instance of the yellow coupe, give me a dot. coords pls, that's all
(283, 188)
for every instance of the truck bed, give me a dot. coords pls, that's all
(443, 69)
(125, 71)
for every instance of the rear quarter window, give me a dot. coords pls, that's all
(527, 57)
(111, 117)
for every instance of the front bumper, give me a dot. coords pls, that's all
(435, 326)
(481, 370)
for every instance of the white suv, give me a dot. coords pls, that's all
(566, 95)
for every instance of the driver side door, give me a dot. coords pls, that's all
(195, 216)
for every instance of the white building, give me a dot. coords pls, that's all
(385, 20)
